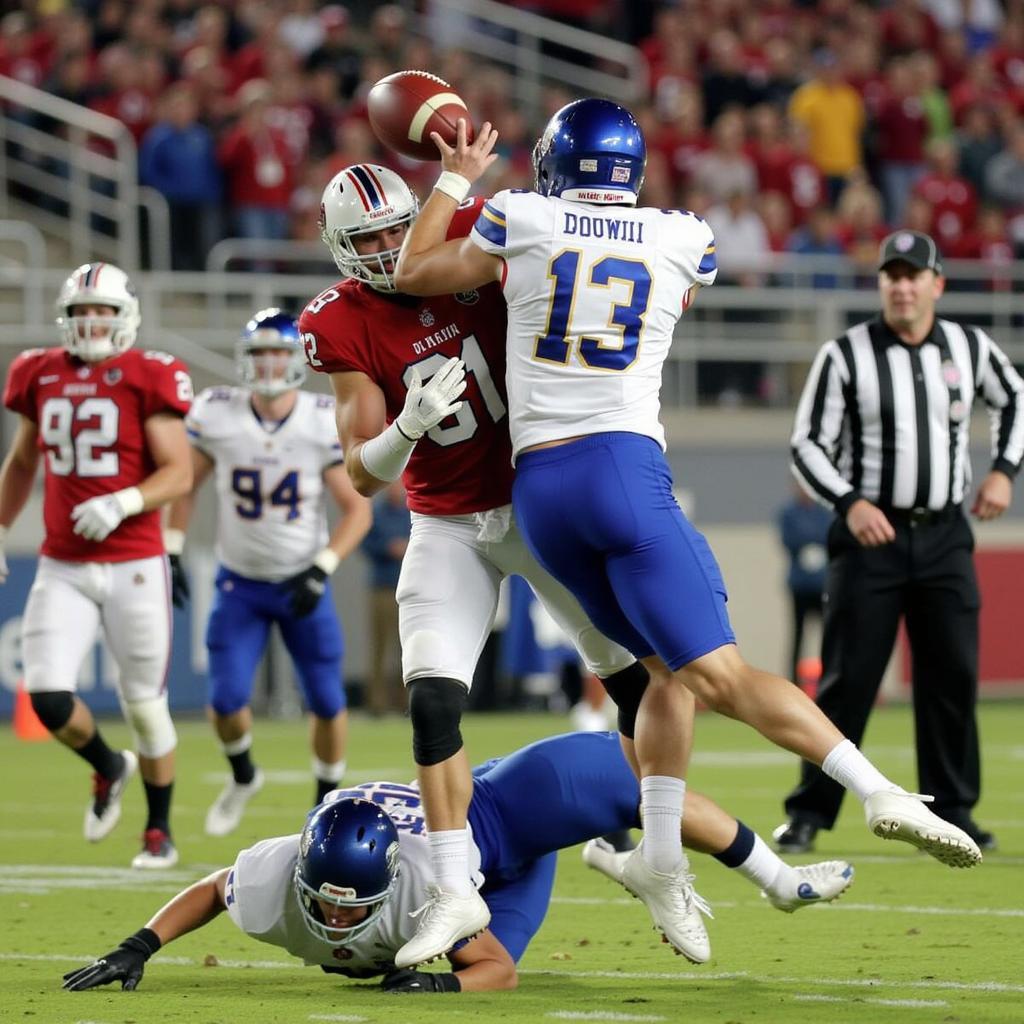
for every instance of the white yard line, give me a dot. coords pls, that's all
(901, 1003)
(601, 1015)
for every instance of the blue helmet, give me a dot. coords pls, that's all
(270, 329)
(592, 151)
(348, 856)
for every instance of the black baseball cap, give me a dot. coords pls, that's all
(913, 247)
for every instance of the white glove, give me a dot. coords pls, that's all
(427, 404)
(99, 517)
(4, 571)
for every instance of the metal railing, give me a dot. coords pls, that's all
(75, 171)
(585, 62)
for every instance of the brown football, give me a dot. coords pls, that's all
(406, 107)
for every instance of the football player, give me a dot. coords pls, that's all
(107, 421)
(341, 894)
(420, 385)
(275, 454)
(595, 286)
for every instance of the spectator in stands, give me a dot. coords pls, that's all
(780, 77)
(741, 240)
(861, 226)
(121, 94)
(724, 82)
(818, 237)
(1004, 176)
(302, 28)
(979, 141)
(20, 58)
(725, 169)
(937, 112)
(178, 158)
(953, 200)
(337, 51)
(779, 153)
(254, 157)
(833, 113)
(777, 216)
(389, 32)
(990, 241)
(682, 138)
(902, 129)
(385, 546)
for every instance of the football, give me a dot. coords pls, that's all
(406, 107)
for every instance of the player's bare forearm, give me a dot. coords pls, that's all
(484, 965)
(192, 908)
(362, 479)
(169, 448)
(18, 472)
(179, 513)
(356, 513)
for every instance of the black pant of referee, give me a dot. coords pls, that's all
(926, 575)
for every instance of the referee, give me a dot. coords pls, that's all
(881, 436)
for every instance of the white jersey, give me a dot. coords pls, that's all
(271, 518)
(593, 293)
(261, 899)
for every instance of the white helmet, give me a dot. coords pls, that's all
(360, 199)
(94, 338)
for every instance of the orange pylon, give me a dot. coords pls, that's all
(26, 722)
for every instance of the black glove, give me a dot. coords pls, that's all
(180, 590)
(405, 980)
(125, 964)
(306, 588)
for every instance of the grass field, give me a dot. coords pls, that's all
(911, 942)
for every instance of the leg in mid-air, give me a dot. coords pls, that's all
(236, 636)
(316, 646)
(136, 616)
(663, 591)
(52, 656)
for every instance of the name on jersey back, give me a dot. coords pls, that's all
(435, 339)
(615, 229)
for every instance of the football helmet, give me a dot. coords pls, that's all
(348, 856)
(358, 200)
(94, 338)
(592, 151)
(259, 370)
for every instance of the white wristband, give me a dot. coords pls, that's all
(386, 455)
(453, 185)
(326, 560)
(174, 541)
(130, 500)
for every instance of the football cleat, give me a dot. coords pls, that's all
(226, 811)
(893, 814)
(600, 855)
(675, 907)
(105, 810)
(158, 851)
(811, 883)
(446, 918)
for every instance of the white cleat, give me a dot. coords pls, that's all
(446, 918)
(158, 851)
(600, 855)
(892, 814)
(105, 810)
(674, 905)
(226, 812)
(812, 883)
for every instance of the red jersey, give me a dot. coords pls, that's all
(90, 418)
(464, 464)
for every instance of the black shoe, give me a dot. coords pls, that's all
(795, 836)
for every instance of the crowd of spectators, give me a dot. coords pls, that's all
(794, 126)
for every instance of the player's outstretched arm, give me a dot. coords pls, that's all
(427, 264)
(482, 965)
(16, 476)
(197, 905)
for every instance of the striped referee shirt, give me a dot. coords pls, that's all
(887, 421)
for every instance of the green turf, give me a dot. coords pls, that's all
(912, 942)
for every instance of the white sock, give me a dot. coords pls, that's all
(239, 746)
(449, 857)
(764, 867)
(853, 771)
(661, 808)
(329, 771)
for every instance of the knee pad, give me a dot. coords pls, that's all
(435, 707)
(53, 708)
(150, 723)
(626, 688)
